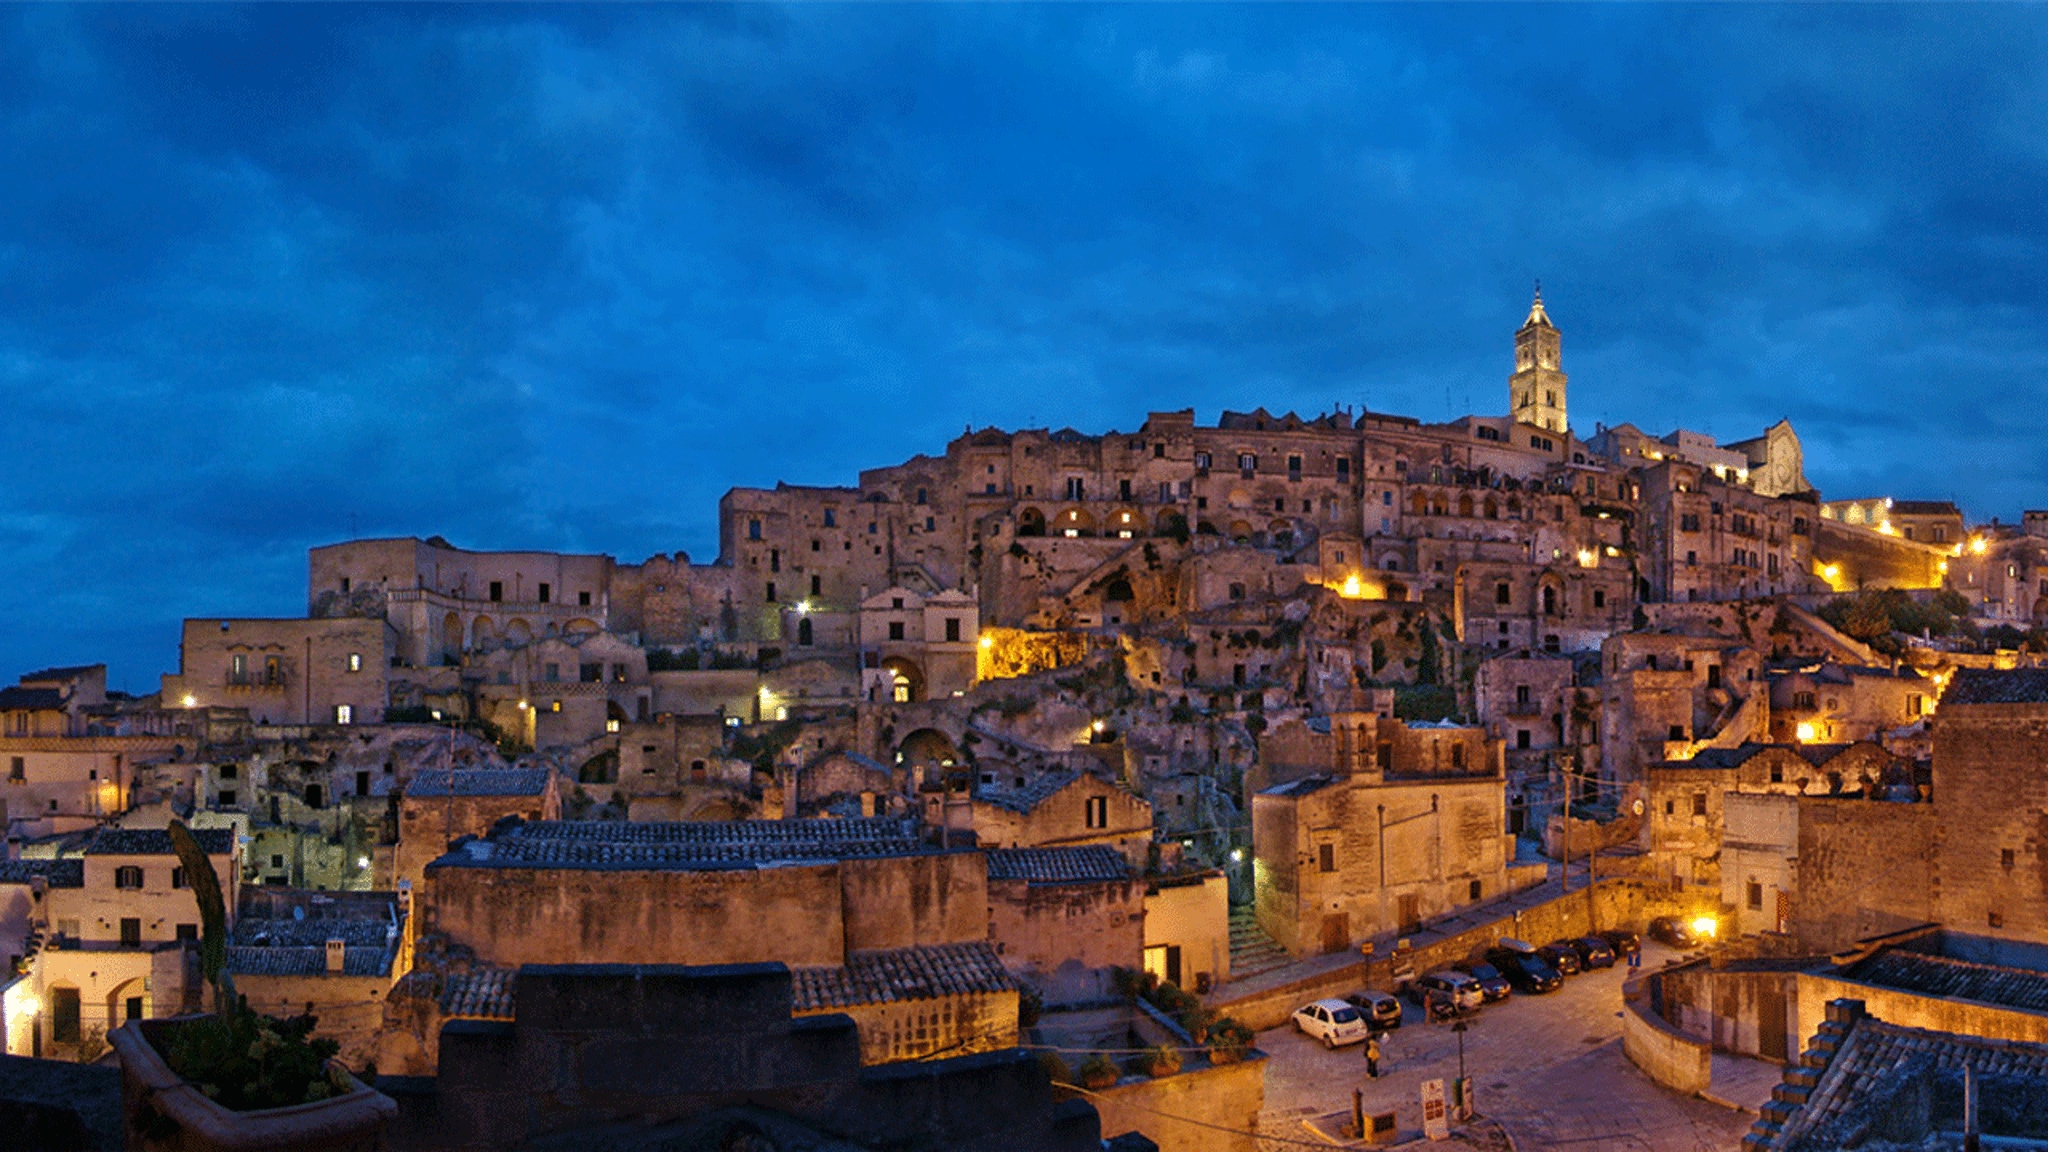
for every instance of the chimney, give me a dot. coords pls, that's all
(337, 952)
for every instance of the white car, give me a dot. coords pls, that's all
(1332, 1021)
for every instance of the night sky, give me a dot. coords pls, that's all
(557, 278)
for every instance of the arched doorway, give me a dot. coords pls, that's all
(517, 631)
(928, 746)
(907, 680)
(1030, 522)
(451, 635)
(483, 635)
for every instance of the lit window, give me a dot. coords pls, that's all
(355, 661)
(344, 713)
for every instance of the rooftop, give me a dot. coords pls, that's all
(156, 842)
(1090, 864)
(1301, 787)
(1997, 686)
(66, 873)
(895, 974)
(308, 960)
(683, 845)
(478, 782)
(485, 994)
(1038, 788)
(31, 699)
(1932, 975)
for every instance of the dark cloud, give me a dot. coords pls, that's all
(556, 278)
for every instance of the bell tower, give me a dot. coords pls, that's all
(1536, 390)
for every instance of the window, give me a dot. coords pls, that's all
(178, 878)
(187, 932)
(618, 673)
(273, 670)
(543, 592)
(1677, 732)
(1501, 594)
(1237, 591)
(585, 673)
(583, 598)
(1457, 755)
(227, 798)
(1521, 737)
(1294, 467)
(921, 496)
(17, 770)
(1074, 488)
(775, 559)
(1756, 895)
(128, 876)
(131, 932)
(277, 859)
(953, 629)
(355, 661)
(753, 529)
(931, 523)
(895, 629)
(1713, 675)
(1689, 522)
(804, 633)
(1326, 857)
(1123, 489)
(64, 1015)
(1699, 803)
(313, 796)
(1098, 812)
(1343, 468)
(1996, 919)
(771, 592)
(238, 669)
(1247, 463)
(1521, 693)
(1159, 451)
(1201, 461)
(1670, 807)
(1599, 597)
(832, 517)
(2006, 859)
(1913, 704)
(817, 585)
(1777, 773)
(362, 783)
(497, 590)
(344, 713)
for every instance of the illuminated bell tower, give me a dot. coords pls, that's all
(1536, 390)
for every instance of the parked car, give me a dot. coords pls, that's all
(1625, 944)
(1673, 931)
(1460, 989)
(1562, 956)
(1491, 983)
(1524, 969)
(1332, 1021)
(1382, 1010)
(1593, 952)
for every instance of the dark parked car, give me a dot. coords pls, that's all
(1490, 980)
(1673, 931)
(1593, 952)
(1382, 1010)
(1625, 944)
(1527, 971)
(1560, 954)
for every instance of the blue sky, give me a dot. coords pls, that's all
(557, 278)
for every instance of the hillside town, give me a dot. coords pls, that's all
(1204, 786)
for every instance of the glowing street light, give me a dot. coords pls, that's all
(1705, 926)
(190, 701)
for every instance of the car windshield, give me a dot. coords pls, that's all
(1343, 1015)
(1485, 972)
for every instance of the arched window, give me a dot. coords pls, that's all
(803, 631)
(1549, 601)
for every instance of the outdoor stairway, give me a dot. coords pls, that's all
(1251, 950)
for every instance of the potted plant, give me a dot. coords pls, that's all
(1098, 1072)
(1229, 1041)
(236, 1080)
(1162, 1060)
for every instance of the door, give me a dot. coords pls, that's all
(133, 1009)
(64, 1015)
(1770, 1022)
(1410, 913)
(1173, 965)
(1337, 932)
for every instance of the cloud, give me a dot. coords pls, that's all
(558, 277)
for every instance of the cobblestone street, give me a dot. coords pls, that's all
(1549, 1069)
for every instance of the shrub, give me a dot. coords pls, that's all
(1155, 1062)
(1229, 1040)
(244, 1061)
(1098, 1072)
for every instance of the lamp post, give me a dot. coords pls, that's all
(1464, 1085)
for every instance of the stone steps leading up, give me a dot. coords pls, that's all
(1251, 950)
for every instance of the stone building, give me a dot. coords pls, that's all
(1015, 808)
(1187, 928)
(295, 672)
(1062, 918)
(916, 1003)
(1667, 696)
(1833, 703)
(802, 892)
(1709, 537)
(334, 957)
(441, 805)
(1990, 739)
(1379, 840)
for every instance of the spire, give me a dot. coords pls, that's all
(1537, 317)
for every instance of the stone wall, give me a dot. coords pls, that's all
(1679, 1062)
(1865, 867)
(1991, 801)
(1064, 938)
(1228, 1097)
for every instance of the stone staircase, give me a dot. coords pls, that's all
(1801, 1078)
(1251, 950)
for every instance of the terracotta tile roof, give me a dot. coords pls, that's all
(479, 995)
(156, 842)
(66, 873)
(1871, 1062)
(1997, 686)
(478, 782)
(694, 844)
(1037, 789)
(1090, 864)
(1943, 976)
(31, 699)
(308, 961)
(895, 974)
